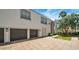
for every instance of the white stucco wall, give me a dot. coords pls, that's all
(10, 18)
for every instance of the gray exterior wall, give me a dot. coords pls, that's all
(10, 18)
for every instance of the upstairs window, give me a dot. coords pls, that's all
(43, 20)
(25, 14)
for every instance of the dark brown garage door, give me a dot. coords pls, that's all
(17, 34)
(1, 35)
(33, 33)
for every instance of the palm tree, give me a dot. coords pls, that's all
(62, 14)
(62, 23)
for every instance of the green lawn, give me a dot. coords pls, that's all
(64, 37)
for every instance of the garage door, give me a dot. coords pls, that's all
(33, 33)
(1, 35)
(17, 34)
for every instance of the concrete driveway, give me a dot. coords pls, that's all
(47, 43)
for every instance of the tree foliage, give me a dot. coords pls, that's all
(68, 21)
(62, 14)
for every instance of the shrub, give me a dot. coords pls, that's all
(75, 34)
(69, 34)
(50, 34)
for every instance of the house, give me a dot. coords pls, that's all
(16, 24)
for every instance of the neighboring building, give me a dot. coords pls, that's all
(55, 26)
(52, 26)
(18, 24)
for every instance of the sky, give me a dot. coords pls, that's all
(54, 13)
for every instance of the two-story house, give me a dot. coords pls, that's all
(16, 24)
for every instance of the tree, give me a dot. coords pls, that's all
(69, 21)
(62, 22)
(75, 19)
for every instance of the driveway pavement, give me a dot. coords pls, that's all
(47, 43)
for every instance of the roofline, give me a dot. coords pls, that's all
(41, 14)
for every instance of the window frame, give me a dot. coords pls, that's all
(43, 20)
(24, 16)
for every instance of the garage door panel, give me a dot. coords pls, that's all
(1, 35)
(17, 34)
(33, 33)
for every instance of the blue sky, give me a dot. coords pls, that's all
(54, 13)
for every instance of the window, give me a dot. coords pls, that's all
(43, 20)
(25, 14)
